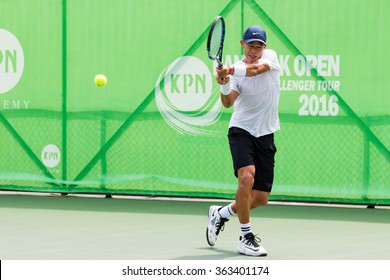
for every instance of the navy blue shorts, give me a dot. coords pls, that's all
(258, 151)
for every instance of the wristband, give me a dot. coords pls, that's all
(239, 70)
(225, 89)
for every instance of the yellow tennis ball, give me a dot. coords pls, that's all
(100, 80)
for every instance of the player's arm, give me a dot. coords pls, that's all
(228, 100)
(248, 70)
(228, 95)
(256, 69)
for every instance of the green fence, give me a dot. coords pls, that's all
(158, 127)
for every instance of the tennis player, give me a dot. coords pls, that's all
(252, 86)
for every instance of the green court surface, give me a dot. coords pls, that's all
(53, 227)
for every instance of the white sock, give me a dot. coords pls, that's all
(226, 211)
(245, 229)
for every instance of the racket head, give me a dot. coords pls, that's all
(215, 40)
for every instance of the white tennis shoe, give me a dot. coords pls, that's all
(215, 226)
(248, 245)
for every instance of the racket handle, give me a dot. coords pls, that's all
(220, 67)
(220, 64)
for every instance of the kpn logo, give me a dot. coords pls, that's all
(50, 155)
(11, 61)
(186, 98)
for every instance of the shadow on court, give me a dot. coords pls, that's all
(210, 254)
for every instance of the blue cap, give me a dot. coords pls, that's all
(255, 33)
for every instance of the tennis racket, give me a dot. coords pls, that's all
(215, 40)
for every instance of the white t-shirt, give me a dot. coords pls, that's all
(256, 107)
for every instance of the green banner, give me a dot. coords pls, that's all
(158, 127)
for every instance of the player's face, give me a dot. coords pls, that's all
(253, 51)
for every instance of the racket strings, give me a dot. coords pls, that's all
(215, 42)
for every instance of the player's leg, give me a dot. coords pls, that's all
(244, 193)
(249, 244)
(247, 199)
(264, 161)
(259, 198)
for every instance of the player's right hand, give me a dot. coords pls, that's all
(222, 80)
(223, 71)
